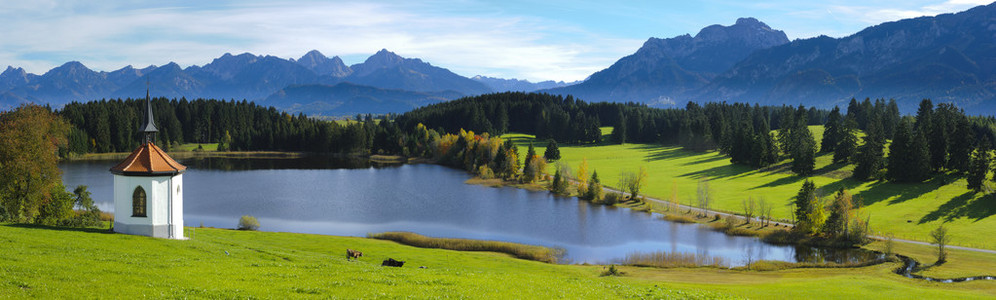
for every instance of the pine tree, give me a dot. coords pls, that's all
(848, 144)
(526, 164)
(742, 143)
(764, 152)
(803, 145)
(594, 192)
(869, 157)
(899, 153)
(979, 167)
(855, 112)
(833, 132)
(961, 144)
(559, 184)
(552, 152)
(619, 131)
(937, 136)
(919, 159)
(803, 205)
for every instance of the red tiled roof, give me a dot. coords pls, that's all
(148, 159)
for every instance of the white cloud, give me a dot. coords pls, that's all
(871, 15)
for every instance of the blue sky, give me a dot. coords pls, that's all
(534, 40)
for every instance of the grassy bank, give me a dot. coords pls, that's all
(530, 252)
(43, 262)
(908, 211)
(188, 151)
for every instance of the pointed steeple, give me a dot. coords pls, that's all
(150, 125)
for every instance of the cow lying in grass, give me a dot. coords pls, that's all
(390, 262)
(350, 253)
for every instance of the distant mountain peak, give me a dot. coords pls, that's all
(323, 65)
(314, 54)
(384, 58)
(750, 21)
(12, 71)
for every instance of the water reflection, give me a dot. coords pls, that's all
(330, 195)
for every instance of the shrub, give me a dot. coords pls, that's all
(248, 222)
(612, 198)
(485, 172)
(612, 271)
(678, 218)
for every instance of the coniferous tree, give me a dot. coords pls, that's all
(890, 118)
(855, 112)
(552, 152)
(742, 143)
(869, 157)
(803, 203)
(833, 131)
(559, 184)
(529, 171)
(848, 144)
(786, 124)
(979, 167)
(924, 114)
(803, 145)
(763, 151)
(961, 144)
(919, 159)
(938, 135)
(899, 153)
(594, 190)
(619, 131)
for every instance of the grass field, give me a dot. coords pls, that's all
(908, 211)
(43, 262)
(193, 146)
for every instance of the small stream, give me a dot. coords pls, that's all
(910, 264)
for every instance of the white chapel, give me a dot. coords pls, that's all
(148, 189)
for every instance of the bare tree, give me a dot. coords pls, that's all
(764, 211)
(748, 205)
(940, 238)
(704, 195)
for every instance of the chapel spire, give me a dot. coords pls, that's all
(150, 125)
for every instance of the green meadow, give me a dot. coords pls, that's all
(45, 262)
(906, 211)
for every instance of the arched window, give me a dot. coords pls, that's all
(138, 203)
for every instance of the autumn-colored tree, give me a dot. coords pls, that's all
(582, 175)
(841, 215)
(534, 169)
(30, 137)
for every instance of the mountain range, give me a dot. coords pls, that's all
(948, 58)
(313, 84)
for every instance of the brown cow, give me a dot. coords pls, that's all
(350, 253)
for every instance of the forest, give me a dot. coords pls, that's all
(753, 135)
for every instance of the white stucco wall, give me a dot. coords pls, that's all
(158, 191)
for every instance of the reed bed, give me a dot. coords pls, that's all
(770, 265)
(523, 251)
(678, 218)
(661, 259)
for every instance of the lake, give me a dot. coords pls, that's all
(335, 196)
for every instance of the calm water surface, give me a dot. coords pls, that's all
(333, 196)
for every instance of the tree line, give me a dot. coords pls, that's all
(112, 126)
